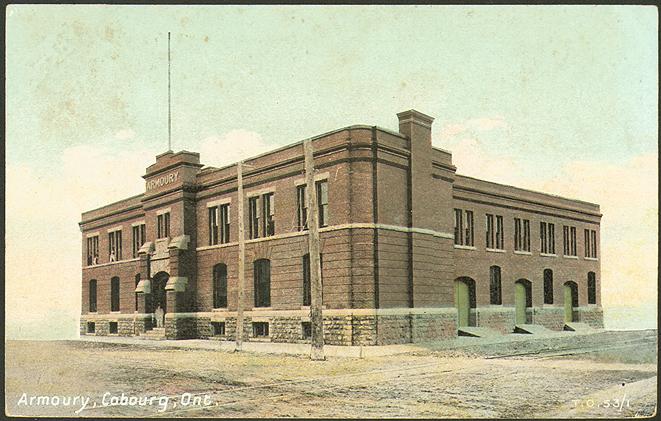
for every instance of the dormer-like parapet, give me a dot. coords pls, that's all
(172, 171)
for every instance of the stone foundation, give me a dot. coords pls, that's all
(593, 316)
(501, 319)
(341, 327)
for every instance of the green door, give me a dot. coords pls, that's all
(569, 303)
(462, 302)
(520, 303)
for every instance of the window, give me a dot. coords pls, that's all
(307, 289)
(163, 225)
(253, 217)
(260, 329)
(137, 281)
(115, 246)
(494, 232)
(91, 327)
(569, 240)
(262, 277)
(590, 243)
(220, 286)
(268, 202)
(548, 286)
(114, 294)
(495, 285)
(592, 288)
(219, 224)
(92, 296)
(92, 250)
(112, 328)
(213, 225)
(306, 330)
(138, 238)
(302, 207)
(322, 203)
(500, 233)
(218, 328)
(521, 234)
(547, 238)
(463, 234)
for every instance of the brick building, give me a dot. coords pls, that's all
(411, 250)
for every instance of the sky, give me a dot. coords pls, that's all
(561, 99)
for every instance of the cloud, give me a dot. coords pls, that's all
(125, 134)
(231, 147)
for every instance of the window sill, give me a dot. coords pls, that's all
(262, 308)
(496, 250)
(570, 257)
(112, 263)
(261, 339)
(548, 255)
(219, 309)
(594, 259)
(116, 312)
(461, 247)
(526, 253)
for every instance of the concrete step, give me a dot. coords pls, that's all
(531, 329)
(477, 332)
(578, 327)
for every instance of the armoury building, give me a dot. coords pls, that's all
(411, 251)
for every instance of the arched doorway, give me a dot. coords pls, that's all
(522, 300)
(464, 300)
(571, 300)
(159, 296)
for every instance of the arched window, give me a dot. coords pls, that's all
(262, 277)
(592, 288)
(307, 289)
(495, 286)
(548, 286)
(220, 285)
(92, 297)
(137, 281)
(114, 294)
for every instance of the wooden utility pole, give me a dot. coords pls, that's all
(242, 259)
(316, 319)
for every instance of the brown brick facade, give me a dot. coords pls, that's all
(389, 259)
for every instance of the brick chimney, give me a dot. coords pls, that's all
(416, 126)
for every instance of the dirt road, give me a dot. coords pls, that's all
(534, 380)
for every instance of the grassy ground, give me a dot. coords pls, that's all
(548, 380)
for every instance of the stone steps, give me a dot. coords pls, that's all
(531, 329)
(156, 334)
(578, 327)
(477, 332)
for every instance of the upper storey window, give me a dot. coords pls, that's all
(321, 188)
(219, 224)
(569, 240)
(464, 234)
(92, 250)
(547, 238)
(163, 225)
(521, 234)
(261, 215)
(138, 238)
(115, 245)
(591, 243)
(495, 235)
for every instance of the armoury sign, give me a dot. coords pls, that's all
(163, 180)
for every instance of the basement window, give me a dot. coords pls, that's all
(306, 330)
(91, 326)
(260, 329)
(113, 327)
(218, 328)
